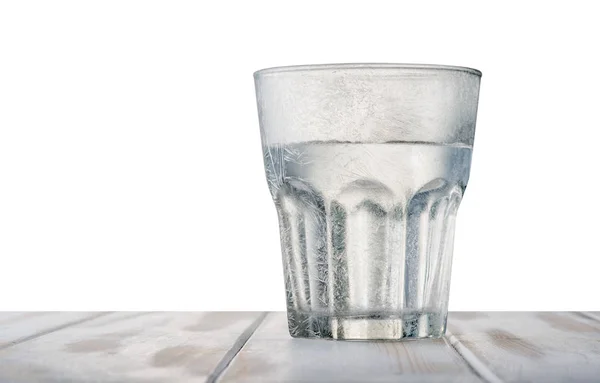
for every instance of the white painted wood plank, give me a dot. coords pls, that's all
(532, 347)
(593, 315)
(18, 326)
(128, 347)
(271, 355)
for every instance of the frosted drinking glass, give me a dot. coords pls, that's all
(367, 165)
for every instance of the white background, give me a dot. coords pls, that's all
(131, 174)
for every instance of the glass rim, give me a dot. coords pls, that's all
(360, 66)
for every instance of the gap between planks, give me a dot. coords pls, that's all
(52, 329)
(236, 348)
(587, 315)
(475, 364)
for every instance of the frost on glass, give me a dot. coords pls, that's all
(367, 166)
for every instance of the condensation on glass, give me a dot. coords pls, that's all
(367, 165)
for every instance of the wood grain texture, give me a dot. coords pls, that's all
(532, 347)
(271, 355)
(242, 347)
(128, 347)
(16, 327)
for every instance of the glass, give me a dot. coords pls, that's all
(367, 165)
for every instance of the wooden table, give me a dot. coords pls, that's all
(255, 347)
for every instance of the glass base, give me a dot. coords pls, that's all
(405, 325)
